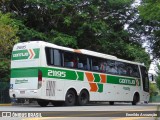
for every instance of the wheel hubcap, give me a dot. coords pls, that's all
(70, 98)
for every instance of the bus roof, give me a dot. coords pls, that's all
(82, 51)
(102, 55)
(97, 54)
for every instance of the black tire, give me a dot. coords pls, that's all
(135, 99)
(57, 103)
(70, 98)
(42, 103)
(83, 98)
(111, 102)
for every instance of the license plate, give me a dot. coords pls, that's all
(22, 92)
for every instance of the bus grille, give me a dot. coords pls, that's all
(50, 88)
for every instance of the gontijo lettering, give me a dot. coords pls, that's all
(127, 81)
(20, 54)
(25, 54)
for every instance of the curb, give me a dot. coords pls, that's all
(9, 104)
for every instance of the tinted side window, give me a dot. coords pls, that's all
(82, 62)
(98, 64)
(49, 56)
(70, 60)
(57, 57)
(111, 67)
(95, 64)
(127, 69)
(133, 70)
(121, 68)
(53, 56)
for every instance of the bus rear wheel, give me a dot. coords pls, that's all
(43, 103)
(70, 98)
(83, 98)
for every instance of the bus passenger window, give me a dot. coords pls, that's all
(98, 65)
(121, 68)
(69, 60)
(102, 65)
(129, 70)
(95, 66)
(136, 71)
(82, 62)
(112, 70)
(49, 56)
(111, 67)
(132, 70)
(57, 58)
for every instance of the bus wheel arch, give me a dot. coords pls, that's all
(70, 97)
(136, 98)
(83, 97)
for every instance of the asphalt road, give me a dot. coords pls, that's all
(102, 111)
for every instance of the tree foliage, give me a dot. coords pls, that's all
(150, 14)
(158, 76)
(153, 89)
(8, 35)
(89, 24)
(4, 70)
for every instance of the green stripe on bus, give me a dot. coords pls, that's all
(24, 72)
(36, 51)
(71, 75)
(59, 73)
(97, 78)
(80, 76)
(48, 73)
(100, 87)
(121, 80)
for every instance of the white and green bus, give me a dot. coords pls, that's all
(47, 73)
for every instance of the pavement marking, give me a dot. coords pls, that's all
(151, 109)
(6, 104)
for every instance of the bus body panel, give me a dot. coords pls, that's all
(56, 81)
(25, 61)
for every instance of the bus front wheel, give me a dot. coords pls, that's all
(135, 99)
(42, 103)
(70, 98)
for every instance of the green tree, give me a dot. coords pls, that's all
(8, 37)
(150, 15)
(153, 89)
(90, 24)
(158, 76)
